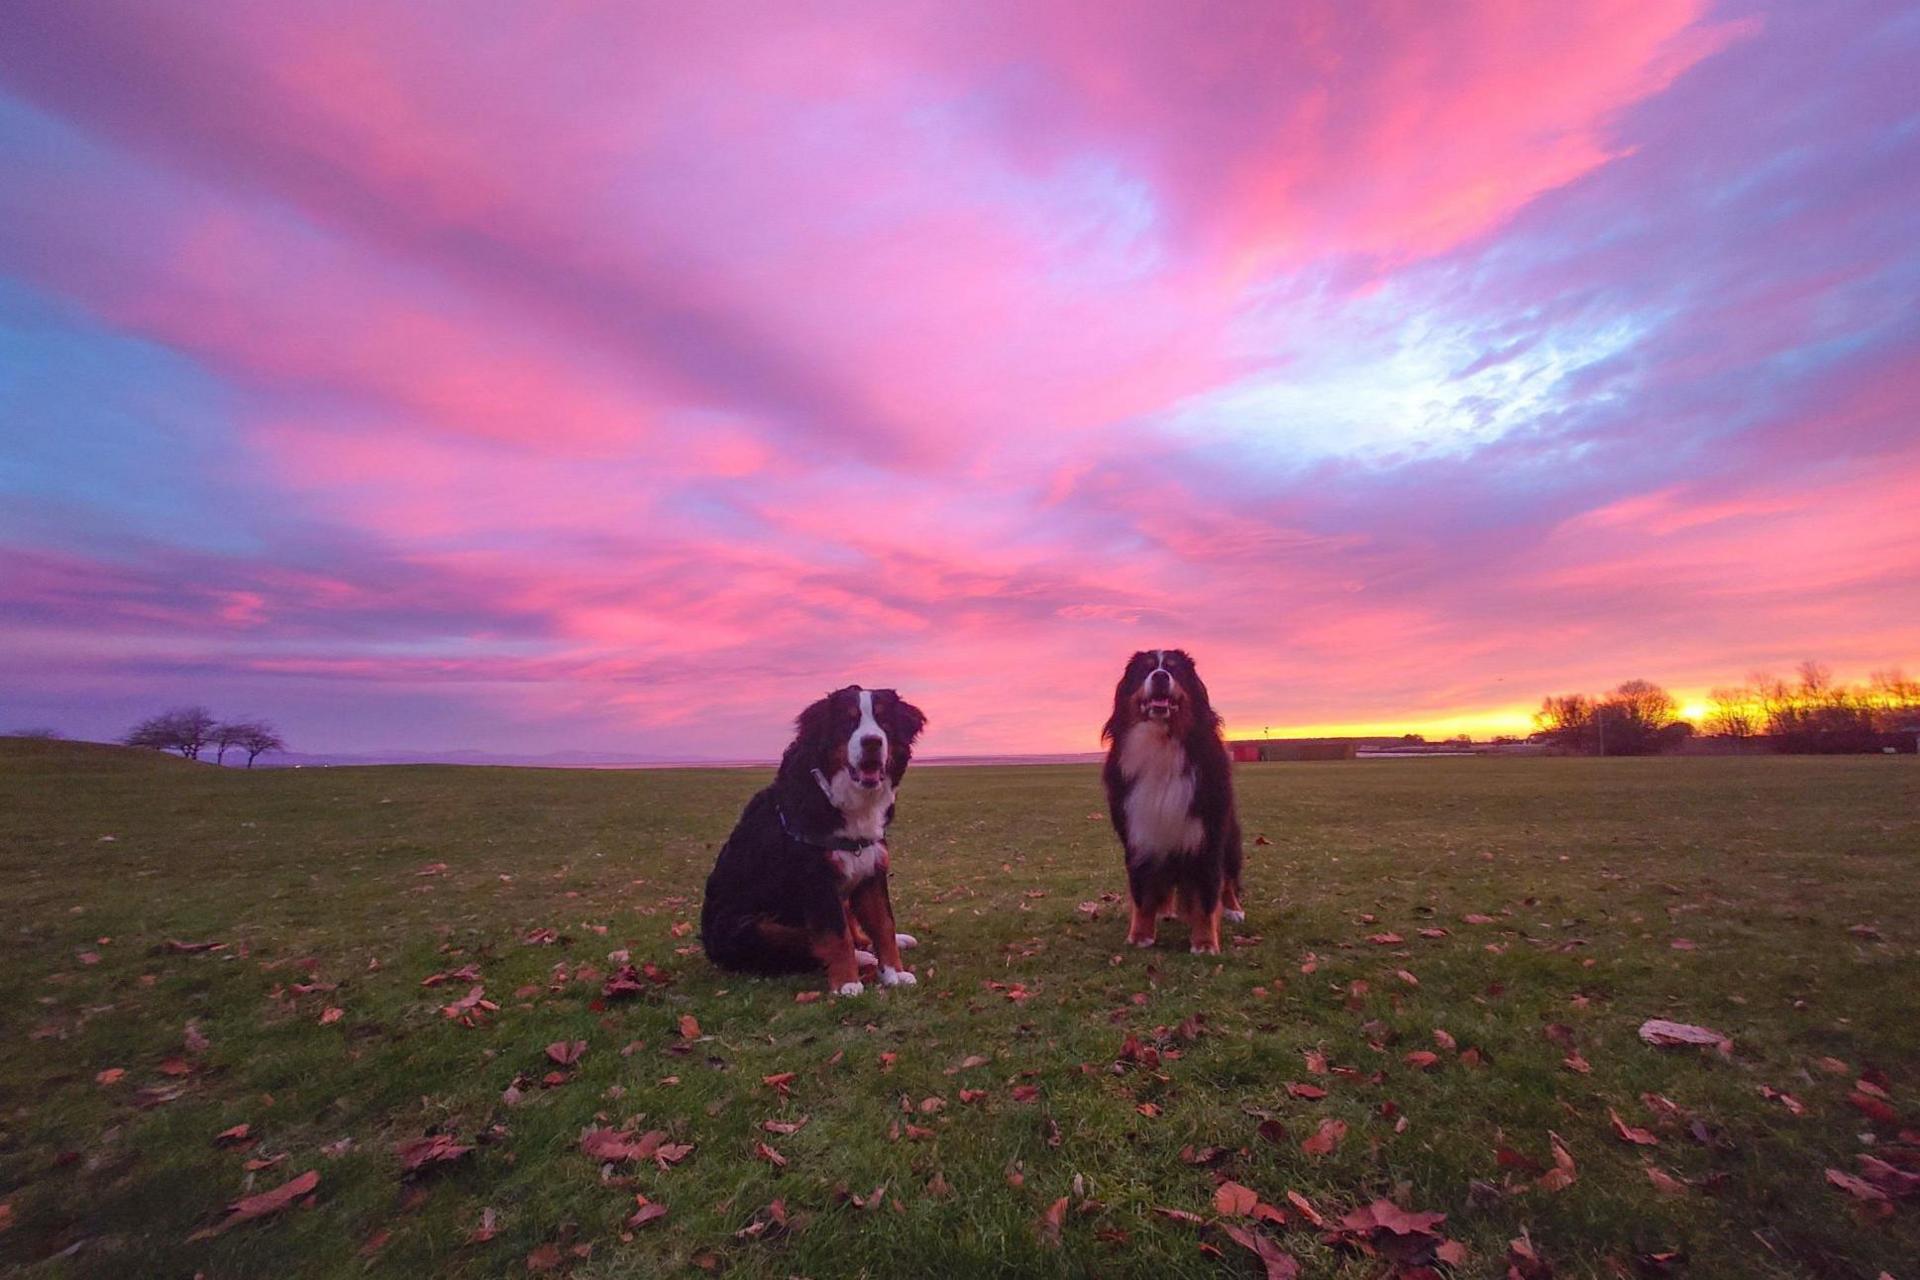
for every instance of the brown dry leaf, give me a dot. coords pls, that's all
(785, 1126)
(435, 1148)
(1149, 1110)
(1477, 918)
(805, 997)
(489, 1227)
(233, 1137)
(1051, 1222)
(780, 1082)
(332, 1016)
(112, 1075)
(1024, 1093)
(193, 1039)
(1231, 1200)
(1628, 1133)
(1279, 1264)
(1306, 1208)
(1858, 1188)
(1385, 939)
(6, 1215)
(193, 948)
(1665, 1034)
(1574, 1062)
(974, 1060)
(1524, 1262)
(1305, 1092)
(262, 1205)
(1326, 1138)
(544, 1258)
(645, 1211)
(567, 1052)
(1423, 1059)
(1665, 1183)
(1180, 1215)
(617, 1145)
(762, 1151)
(1445, 1040)
(1563, 1174)
(1316, 1062)
(689, 1027)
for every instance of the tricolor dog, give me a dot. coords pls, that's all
(1170, 792)
(805, 869)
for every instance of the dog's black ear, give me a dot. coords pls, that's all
(903, 722)
(811, 729)
(1122, 695)
(1204, 715)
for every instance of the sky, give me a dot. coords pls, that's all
(620, 378)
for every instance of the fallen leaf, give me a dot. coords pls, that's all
(1665, 1183)
(1025, 1093)
(689, 1027)
(488, 1228)
(1665, 1034)
(762, 1151)
(1305, 1092)
(437, 1148)
(1231, 1200)
(544, 1258)
(1385, 939)
(262, 1205)
(1423, 1059)
(805, 997)
(615, 1145)
(376, 1242)
(193, 1039)
(1628, 1133)
(646, 1212)
(1306, 1208)
(1279, 1264)
(784, 1126)
(1563, 1174)
(331, 1016)
(1574, 1062)
(112, 1075)
(232, 1137)
(1052, 1221)
(1328, 1137)
(1180, 1215)
(193, 948)
(1858, 1188)
(780, 1082)
(566, 1052)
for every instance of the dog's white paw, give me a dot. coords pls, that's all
(896, 978)
(1234, 917)
(1140, 942)
(850, 988)
(1204, 951)
(864, 958)
(905, 941)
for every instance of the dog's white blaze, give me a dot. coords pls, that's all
(855, 865)
(867, 728)
(1159, 801)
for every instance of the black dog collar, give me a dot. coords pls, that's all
(843, 844)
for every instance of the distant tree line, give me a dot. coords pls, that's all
(1638, 718)
(1814, 713)
(1809, 713)
(192, 730)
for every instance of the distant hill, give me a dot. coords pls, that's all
(63, 756)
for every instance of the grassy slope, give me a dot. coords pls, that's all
(1592, 867)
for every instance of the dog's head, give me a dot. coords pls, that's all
(857, 740)
(1160, 686)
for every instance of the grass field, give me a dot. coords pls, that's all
(1774, 900)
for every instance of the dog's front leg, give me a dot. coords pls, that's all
(873, 908)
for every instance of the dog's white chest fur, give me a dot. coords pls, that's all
(1159, 801)
(856, 865)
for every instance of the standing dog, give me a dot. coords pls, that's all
(808, 858)
(1170, 791)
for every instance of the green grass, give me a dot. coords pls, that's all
(1591, 869)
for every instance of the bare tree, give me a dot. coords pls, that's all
(1567, 720)
(1636, 718)
(1735, 713)
(225, 737)
(256, 738)
(184, 729)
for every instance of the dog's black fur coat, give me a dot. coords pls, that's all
(774, 896)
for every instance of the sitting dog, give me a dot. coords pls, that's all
(1170, 792)
(807, 862)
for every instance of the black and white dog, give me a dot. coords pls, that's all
(806, 866)
(1170, 792)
